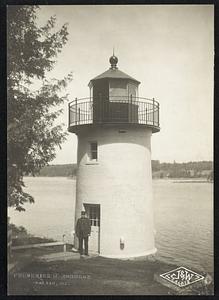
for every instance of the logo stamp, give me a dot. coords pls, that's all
(182, 276)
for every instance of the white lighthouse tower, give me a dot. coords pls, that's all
(114, 180)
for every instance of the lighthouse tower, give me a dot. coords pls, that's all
(114, 180)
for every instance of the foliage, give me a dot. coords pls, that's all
(183, 170)
(161, 170)
(17, 230)
(32, 133)
(67, 170)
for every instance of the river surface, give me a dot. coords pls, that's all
(183, 213)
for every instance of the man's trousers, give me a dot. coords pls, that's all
(83, 240)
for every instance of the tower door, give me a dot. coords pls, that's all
(100, 101)
(93, 213)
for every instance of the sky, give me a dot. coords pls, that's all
(168, 48)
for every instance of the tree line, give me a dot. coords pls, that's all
(160, 170)
(183, 170)
(66, 170)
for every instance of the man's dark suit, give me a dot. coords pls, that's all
(83, 229)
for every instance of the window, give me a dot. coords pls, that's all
(93, 151)
(93, 213)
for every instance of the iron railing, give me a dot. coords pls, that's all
(115, 109)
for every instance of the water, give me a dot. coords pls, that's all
(183, 217)
(52, 214)
(184, 223)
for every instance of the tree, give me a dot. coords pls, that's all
(31, 130)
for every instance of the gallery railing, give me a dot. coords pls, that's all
(115, 109)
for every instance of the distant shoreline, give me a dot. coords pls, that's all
(190, 170)
(174, 180)
(192, 181)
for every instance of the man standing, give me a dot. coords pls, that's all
(83, 229)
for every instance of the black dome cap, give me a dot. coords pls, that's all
(113, 61)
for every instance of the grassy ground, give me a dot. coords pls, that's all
(90, 276)
(30, 275)
(93, 276)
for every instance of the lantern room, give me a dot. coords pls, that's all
(113, 99)
(114, 95)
